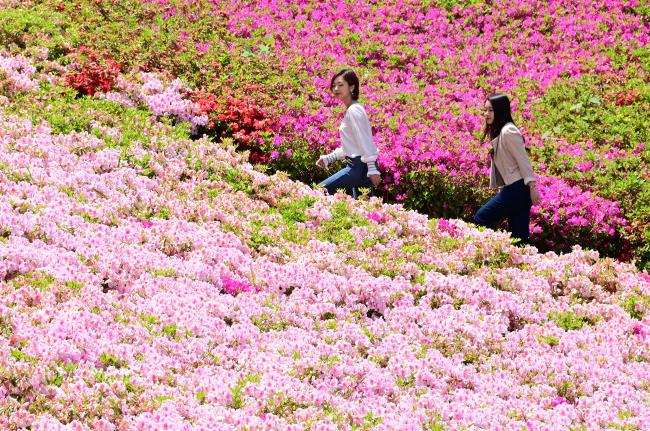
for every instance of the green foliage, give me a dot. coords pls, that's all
(55, 380)
(435, 424)
(160, 399)
(637, 306)
(623, 415)
(42, 281)
(571, 321)
(405, 382)
(163, 213)
(66, 112)
(612, 115)
(148, 321)
(74, 285)
(337, 228)
(164, 272)
(295, 211)
(282, 406)
(6, 327)
(237, 400)
(439, 195)
(18, 355)
(551, 340)
(266, 322)
(449, 5)
(130, 387)
(369, 422)
(170, 330)
(110, 360)
(623, 427)
(37, 279)
(40, 26)
(300, 166)
(140, 36)
(567, 389)
(328, 315)
(239, 180)
(256, 238)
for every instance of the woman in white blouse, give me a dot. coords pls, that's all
(357, 146)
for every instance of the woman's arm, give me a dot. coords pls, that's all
(327, 159)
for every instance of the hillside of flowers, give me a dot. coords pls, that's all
(149, 281)
(577, 72)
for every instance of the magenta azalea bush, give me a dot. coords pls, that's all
(426, 71)
(148, 282)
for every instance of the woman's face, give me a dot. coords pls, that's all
(488, 112)
(341, 89)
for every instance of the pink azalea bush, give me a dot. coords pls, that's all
(18, 71)
(164, 99)
(198, 293)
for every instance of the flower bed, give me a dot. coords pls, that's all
(152, 282)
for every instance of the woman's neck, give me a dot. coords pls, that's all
(349, 102)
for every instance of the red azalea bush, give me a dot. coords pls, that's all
(242, 119)
(95, 73)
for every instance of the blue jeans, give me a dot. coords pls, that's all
(512, 203)
(350, 178)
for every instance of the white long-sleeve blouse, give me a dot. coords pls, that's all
(356, 139)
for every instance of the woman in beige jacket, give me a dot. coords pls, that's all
(510, 171)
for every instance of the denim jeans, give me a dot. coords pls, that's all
(511, 203)
(350, 178)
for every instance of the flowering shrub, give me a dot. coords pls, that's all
(241, 119)
(16, 74)
(93, 73)
(163, 99)
(246, 121)
(148, 281)
(588, 215)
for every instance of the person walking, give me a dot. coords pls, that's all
(357, 146)
(510, 171)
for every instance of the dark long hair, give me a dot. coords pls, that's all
(351, 78)
(502, 115)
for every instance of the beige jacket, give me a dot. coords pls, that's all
(510, 161)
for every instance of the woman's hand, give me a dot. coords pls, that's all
(321, 162)
(534, 194)
(375, 179)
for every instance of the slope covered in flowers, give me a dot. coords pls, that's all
(578, 74)
(153, 282)
(426, 70)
